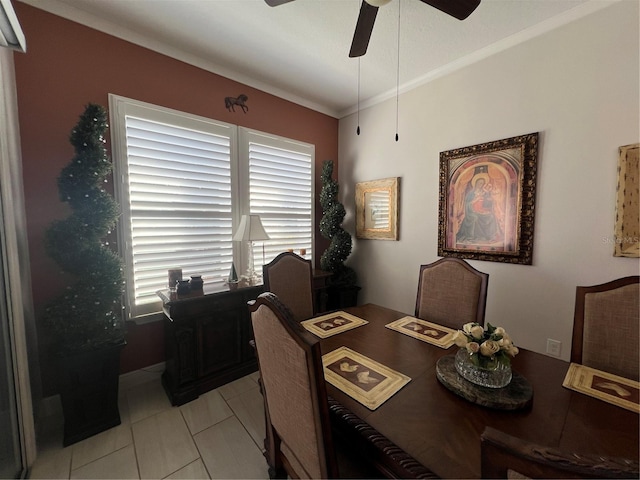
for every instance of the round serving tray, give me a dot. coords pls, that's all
(518, 394)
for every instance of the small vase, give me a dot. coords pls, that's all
(494, 375)
(183, 287)
(196, 283)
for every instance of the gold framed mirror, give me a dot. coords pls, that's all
(627, 233)
(377, 209)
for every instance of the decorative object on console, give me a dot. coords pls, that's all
(627, 233)
(232, 280)
(250, 230)
(196, 283)
(342, 291)
(182, 287)
(85, 323)
(175, 274)
(231, 102)
(377, 209)
(487, 200)
(485, 355)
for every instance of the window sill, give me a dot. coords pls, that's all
(149, 318)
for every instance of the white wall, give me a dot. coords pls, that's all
(577, 85)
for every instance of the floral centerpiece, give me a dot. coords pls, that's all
(485, 354)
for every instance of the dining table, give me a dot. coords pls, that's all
(426, 428)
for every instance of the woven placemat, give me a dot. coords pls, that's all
(432, 333)
(605, 386)
(332, 324)
(362, 378)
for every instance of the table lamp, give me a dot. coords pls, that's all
(250, 230)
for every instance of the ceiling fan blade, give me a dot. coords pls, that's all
(459, 9)
(364, 27)
(275, 3)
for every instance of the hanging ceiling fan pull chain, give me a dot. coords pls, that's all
(358, 129)
(398, 73)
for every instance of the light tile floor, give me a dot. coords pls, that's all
(218, 435)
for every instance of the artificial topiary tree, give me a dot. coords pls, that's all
(333, 213)
(88, 314)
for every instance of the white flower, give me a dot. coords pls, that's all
(505, 342)
(466, 328)
(512, 351)
(489, 348)
(473, 347)
(477, 332)
(475, 339)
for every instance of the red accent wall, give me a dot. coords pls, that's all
(68, 65)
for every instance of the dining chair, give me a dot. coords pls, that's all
(293, 385)
(451, 293)
(606, 327)
(506, 456)
(290, 277)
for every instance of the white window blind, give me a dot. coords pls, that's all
(183, 184)
(280, 179)
(176, 174)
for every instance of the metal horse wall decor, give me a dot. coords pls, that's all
(232, 102)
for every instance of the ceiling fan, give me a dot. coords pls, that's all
(459, 9)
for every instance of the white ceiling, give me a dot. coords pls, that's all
(299, 50)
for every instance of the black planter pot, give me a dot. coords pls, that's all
(89, 392)
(342, 296)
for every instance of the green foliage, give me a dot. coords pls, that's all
(88, 314)
(333, 212)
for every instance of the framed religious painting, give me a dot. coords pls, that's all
(487, 200)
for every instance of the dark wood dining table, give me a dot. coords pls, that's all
(428, 423)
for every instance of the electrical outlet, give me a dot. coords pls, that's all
(553, 347)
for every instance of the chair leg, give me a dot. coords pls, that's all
(274, 459)
(271, 442)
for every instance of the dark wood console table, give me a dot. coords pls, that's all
(207, 336)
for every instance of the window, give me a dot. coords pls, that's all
(280, 180)
(183, 183)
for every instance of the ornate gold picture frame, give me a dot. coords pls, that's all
(627, 232)
(377, 209)
(487, 200)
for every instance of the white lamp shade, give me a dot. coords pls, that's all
(250, 228)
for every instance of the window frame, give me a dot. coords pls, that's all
(239, 138)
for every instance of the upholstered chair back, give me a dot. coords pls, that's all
(290, 277)
(607, 326)
(451, 293)
(293, 386)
